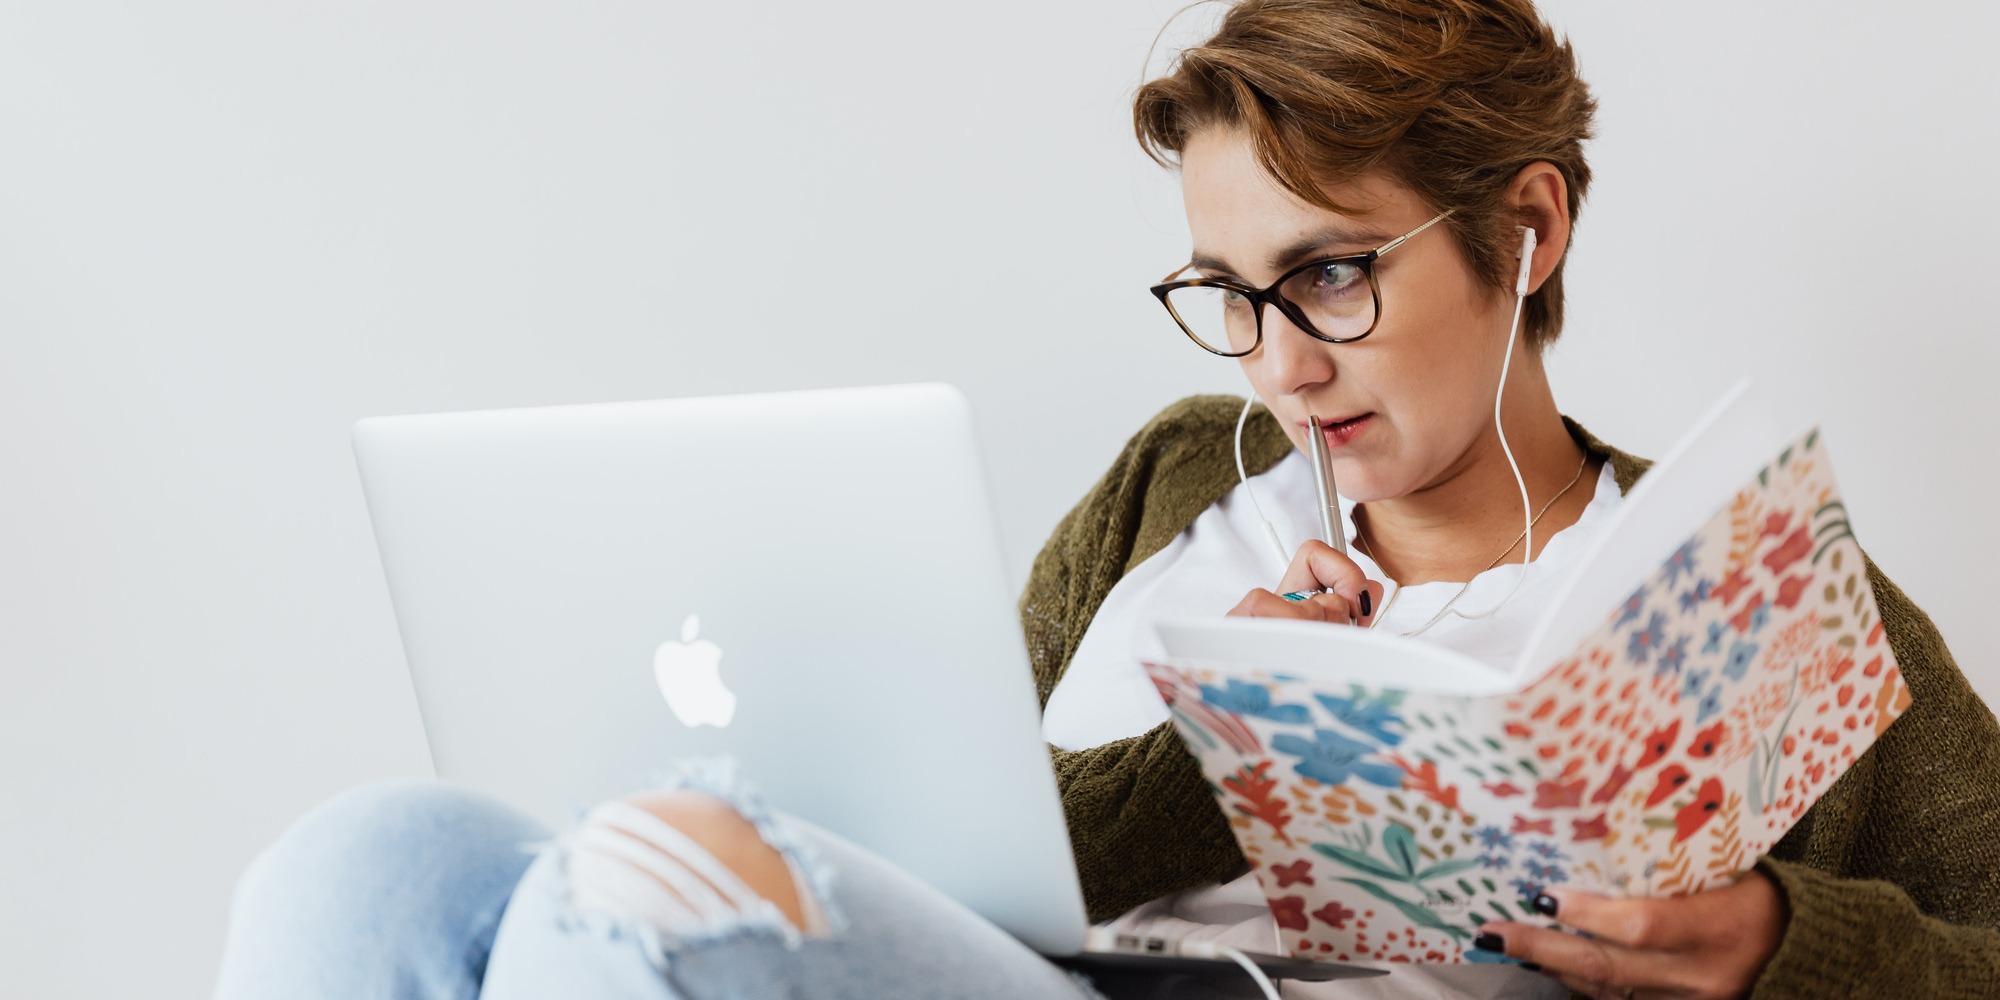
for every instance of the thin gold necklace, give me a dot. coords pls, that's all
(1383, 612)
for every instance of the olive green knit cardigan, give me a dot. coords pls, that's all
(1891, 881)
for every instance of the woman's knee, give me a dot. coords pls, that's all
(689, 864)
(385, 849)
(392, 882)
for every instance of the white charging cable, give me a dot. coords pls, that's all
(1209, 949)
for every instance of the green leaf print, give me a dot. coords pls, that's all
(1360, 862)
(1418, 913)
(1401, 847)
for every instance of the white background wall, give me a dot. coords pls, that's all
(227, 230)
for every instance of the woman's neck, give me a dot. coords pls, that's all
(1455, 528)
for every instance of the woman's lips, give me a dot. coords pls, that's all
(1340, 432)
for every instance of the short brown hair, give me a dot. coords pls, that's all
(1451, 97)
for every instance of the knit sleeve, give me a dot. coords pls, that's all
(1142, 820)
(1894, 890)
(1865, 938)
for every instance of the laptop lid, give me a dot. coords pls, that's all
(808, 582)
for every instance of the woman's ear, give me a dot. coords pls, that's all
(1538, 197)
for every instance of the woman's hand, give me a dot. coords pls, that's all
(1711, 944)
(1317, 567)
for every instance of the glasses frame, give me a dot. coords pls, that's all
(1259, 297)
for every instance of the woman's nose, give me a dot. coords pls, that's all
(1294, 360)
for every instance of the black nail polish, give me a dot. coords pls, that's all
(1545, 904)
(1367, 606)
(1531, 967)
(1489, 942)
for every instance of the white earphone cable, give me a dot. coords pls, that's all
(1527, 506)
(1270, 533)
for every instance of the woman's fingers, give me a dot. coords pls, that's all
(1712, 943)
(1319, 566)
(1585, 964)
(1321, 607)
(1323, 585)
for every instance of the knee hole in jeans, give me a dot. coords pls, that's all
(686, 863)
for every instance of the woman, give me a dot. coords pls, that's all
(1360, 181)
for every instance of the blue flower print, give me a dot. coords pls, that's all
(1545, 873)
(1493, 836)
(1546, 849)
(1254, 700)
(1645, 640)
(1671, 657)
(1693, 596)
(1692, 683)
(1366, 715)
(1759, 615)
(1716, 630)
(1740, 655)
(1332, 758)
(1710, 707)
(1633, 605)
(1526, 888)
(1682, 561)
(1493, 861)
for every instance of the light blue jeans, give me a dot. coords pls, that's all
(422, 889)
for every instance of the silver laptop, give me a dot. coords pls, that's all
(808, 582)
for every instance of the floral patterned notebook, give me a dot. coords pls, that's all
(1672, 747)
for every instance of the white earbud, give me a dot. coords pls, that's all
(1527, 260)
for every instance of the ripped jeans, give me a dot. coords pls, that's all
(422, 889)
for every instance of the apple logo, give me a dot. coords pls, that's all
(689, 678)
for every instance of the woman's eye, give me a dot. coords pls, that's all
(1234, 299)
(1337, 278)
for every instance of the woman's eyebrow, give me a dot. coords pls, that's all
(1319, 243)
(1324, 242)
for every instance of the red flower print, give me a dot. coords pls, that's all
(1707, 802)
(1333, 915)
(1795, 548)
(1790, 591)
(1523, 824)
(1259, 790)
(1290, 912)
(1296, 872)
(1593, 828)
(1503, 789)
(1706, 741)
(1672, 777)
(1612, 785)
(1559, 794)
(1658, 743)
(1424, 781)
(1732, 585)
(1776, 524)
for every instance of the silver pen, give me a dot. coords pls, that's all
(1331, 530)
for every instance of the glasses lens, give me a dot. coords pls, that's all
(1335, 297)
(1220, 318)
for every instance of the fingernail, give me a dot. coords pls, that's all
(1545, 904)
(1531, 967)
(1367, 607)
(1490, 942)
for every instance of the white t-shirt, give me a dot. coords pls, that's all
(1105, 696)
